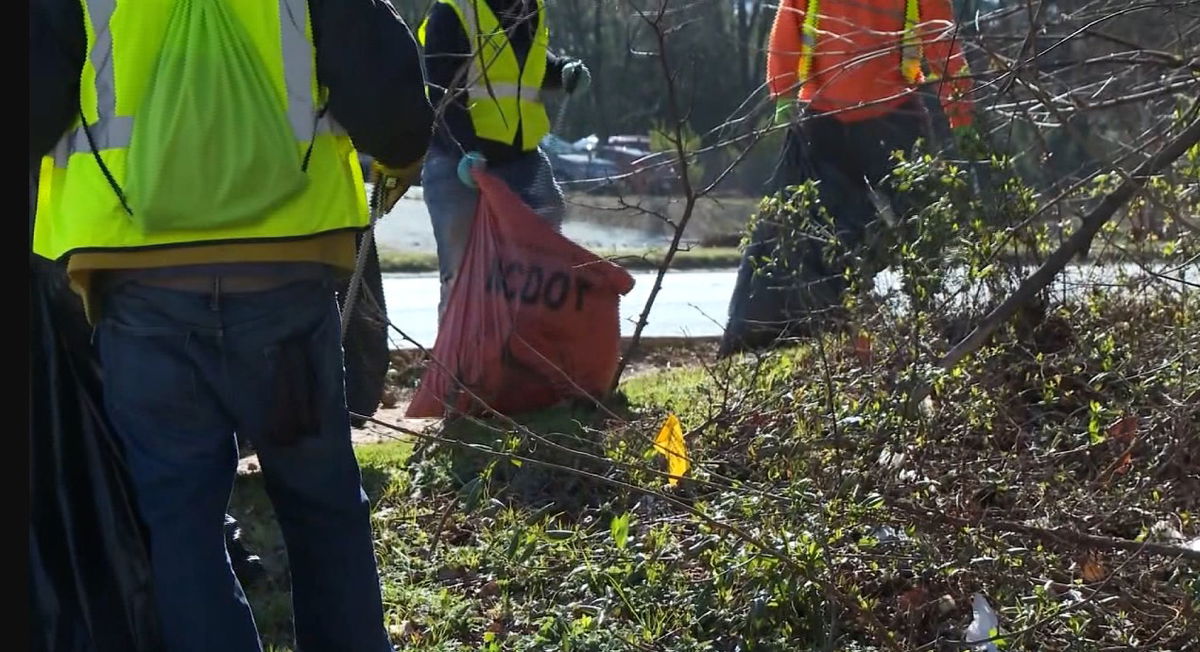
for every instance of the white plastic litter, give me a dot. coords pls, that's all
(887, 458)
(1166, 532)
(888, 534)
(985, 625)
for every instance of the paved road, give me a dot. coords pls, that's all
(684, 306)
(691, 303)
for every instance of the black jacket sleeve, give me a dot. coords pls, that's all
(554, 70)
(56, 50)
(367, 58)
(447, 53)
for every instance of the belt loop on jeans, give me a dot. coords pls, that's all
(215, 300)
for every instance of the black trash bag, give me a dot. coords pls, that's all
(366, 342)
(90, 577)
(247, 566)
(784, 284)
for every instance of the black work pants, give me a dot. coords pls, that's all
(788, 282)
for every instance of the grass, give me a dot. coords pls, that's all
(711, 216)
(392, 262)
(407, 262)
(696, 257)
(685, 392)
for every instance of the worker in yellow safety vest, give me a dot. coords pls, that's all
(488, 62)
(848, 77)
(197, 177)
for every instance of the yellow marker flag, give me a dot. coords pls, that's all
(670, 443)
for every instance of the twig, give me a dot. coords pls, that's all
(689, 194)
(437, 534)
(1060, 535)
(1058, 260)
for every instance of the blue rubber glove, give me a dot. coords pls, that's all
(470, 161)
(576, 77)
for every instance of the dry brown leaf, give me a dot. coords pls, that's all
(1124, 429)
(1124, 463)
(1091, 568)
(861, 347)
(914, 599)
(490, 589)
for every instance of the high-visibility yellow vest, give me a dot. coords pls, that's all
(78, 208)
(503, 94)
(911, 52)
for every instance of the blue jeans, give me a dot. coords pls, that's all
(451, 204)
(184, 372)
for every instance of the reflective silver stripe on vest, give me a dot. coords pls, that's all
(113, 132)
(500, 91)
(110, 132)
(101, 12)
(297, 67)
(471, 24)
(100, 56)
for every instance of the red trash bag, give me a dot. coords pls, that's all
(532, 318)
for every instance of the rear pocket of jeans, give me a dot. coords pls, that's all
(148, 371)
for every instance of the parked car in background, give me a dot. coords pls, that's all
(579, 168)
(649, 173)
(632, 141)
(642, 171)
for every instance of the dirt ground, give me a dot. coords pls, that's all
(371, 433)
(653, 354)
